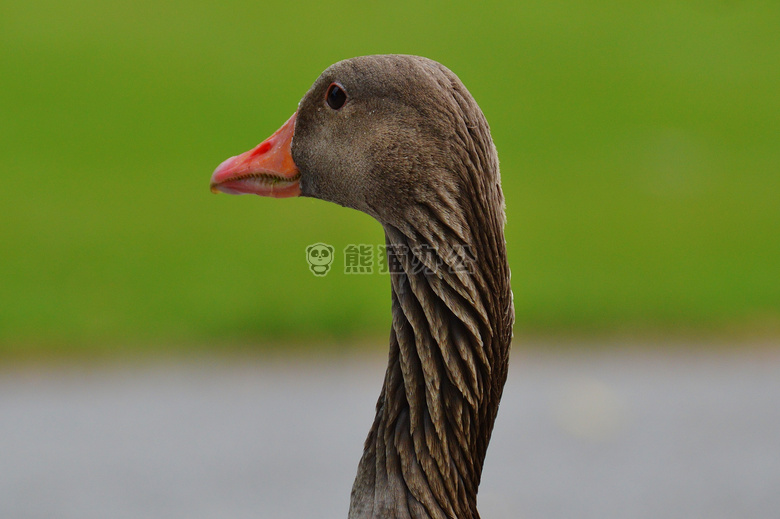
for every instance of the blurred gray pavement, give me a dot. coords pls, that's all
(607, 434)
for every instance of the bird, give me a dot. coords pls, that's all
(401, 139)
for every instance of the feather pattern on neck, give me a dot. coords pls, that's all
(449, 345)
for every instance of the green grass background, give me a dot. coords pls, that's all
(639, 145)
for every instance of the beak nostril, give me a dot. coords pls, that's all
(264, 147)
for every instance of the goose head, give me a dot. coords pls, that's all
(380, 134)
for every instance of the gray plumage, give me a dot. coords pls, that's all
(411, 148)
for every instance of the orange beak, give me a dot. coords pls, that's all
(266, 170)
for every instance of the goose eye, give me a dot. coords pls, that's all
(336, 97)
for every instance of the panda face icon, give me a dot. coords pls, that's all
(319, 256)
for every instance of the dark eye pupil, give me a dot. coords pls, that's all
(336, 96)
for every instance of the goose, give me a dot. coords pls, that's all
(401, 138)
